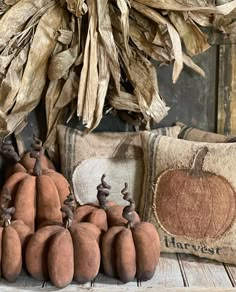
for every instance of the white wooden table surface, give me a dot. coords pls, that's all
(175, 272)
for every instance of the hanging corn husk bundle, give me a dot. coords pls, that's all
(77, 54)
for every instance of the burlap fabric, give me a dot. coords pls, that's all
(84, 158)
(194, 212)
(194, 134)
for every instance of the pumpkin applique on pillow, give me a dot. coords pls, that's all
(189, 195)
(84, 158)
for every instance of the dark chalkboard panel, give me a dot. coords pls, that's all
(193, 98)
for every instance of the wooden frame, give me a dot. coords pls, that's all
(226, 113)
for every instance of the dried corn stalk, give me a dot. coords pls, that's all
(174, 36)
(14, 20)
(82, 54)
(194, 39)
(88, 86)
(35, 73)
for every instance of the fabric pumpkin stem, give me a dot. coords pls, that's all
(196, 168)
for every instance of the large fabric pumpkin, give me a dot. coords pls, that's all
(104, 215)
(193, 202)
(130, 251)
(38, 194)
(13, 237)
(24, 163)
(61, 254)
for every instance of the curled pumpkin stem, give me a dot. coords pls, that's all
(37, 171)
(37, 145)
(128, 211)
(103, 192)
(197, 164)
(71, 201)
(8, 151)
(68, 216)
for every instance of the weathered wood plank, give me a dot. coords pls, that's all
(103, 281)
(22, 282)
(231, 270)
(48, 286)
(204, 273)
(168, 273)
(74, 288)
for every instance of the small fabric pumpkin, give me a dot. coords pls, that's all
(13, 237)
(24, 163)
(132, 250)
(193, 202)
(38, 194)
(63, 253)
(105, 214)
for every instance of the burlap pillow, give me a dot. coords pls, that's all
(189, 195)
(194, 134)
(84, 158)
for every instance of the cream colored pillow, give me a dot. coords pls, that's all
(84, 158)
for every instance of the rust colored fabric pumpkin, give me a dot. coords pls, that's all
(130, 251)
(37, 195)
(193, 202)
(25, 163)
(105, 215)
(13, 238)
(60, 254)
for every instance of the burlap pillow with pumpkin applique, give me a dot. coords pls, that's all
(84, 158)
(189, 194)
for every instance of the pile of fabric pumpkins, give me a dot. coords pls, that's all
(45, 230)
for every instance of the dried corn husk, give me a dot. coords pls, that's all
(77, 7)
(123, 7)
(203, 6)
(226, 24)
(103, 82)
(194, 39)
(35, 73)
(157, 53)
(6, 5)
(142, 75)
(62, 61)
(137, 34)
(174, 36)
(64, 83)
(11, 83)
(15, 18)
(189, 62)
(89, 75)
(65, 36)
(199, 18)
(107, 38)
(124, 101)
(61, 94)
(86, 55)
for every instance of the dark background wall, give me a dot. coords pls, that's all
(192, 99)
